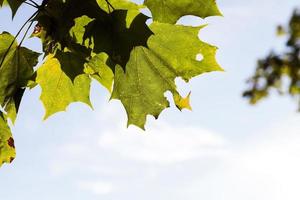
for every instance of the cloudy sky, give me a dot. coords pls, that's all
(223, 150)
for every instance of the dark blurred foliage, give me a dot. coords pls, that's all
(280, 72)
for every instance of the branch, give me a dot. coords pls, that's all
(33, 5)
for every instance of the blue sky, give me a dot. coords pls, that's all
(223, 150)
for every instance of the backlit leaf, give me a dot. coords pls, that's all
(58, 90)
(98, 68)
(7, 147)
(169, 11)
(15, 72)
(135, 57)
(151, 71)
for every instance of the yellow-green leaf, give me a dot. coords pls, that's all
(100, 71)
(169, 11)
(7, 147)
(58, 90)
(152, 71)
(15, 71)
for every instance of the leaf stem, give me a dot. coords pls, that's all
(109, 5)
(37, 5)
(33, 5)
(26, 32)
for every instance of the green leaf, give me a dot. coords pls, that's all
(7, 147)
(169, 11)
(118, 35)
(130, 7)
(181, 50)
(141, 89)
(78, 31)
(58, 90)
(15, 72)
(150, 72)
(118, 5)
(98, 68)
(57, 18)
(13, 104)
(111, 42)
(71, 64)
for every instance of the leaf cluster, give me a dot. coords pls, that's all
(279, 71)
(136, 57)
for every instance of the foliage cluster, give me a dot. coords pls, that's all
(134, 56)
(279, 71)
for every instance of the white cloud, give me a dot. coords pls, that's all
(96, 187)
(163, 143)
(264, 168)
(192, 162)
(131, 159)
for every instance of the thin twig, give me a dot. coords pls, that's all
(26, 32)
(37, 5)
(109, 4)
(30, 4)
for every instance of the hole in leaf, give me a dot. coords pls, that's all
(199, 57)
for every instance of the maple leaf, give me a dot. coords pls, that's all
(7, 147)
(169, 11)
(110, 41)
(118, 5)
(151, 59)
(58, 90)
(182, 55)
(118, 35)
(15, 71)
(151, 71)
(98, 69)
